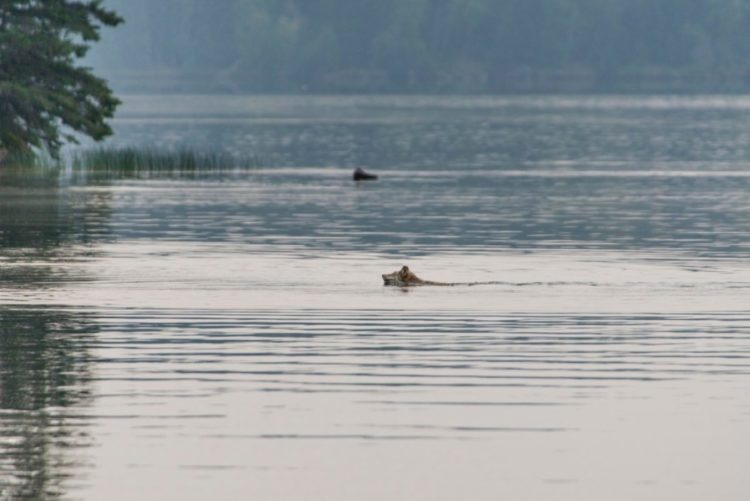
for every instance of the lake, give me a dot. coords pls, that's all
(227, 334)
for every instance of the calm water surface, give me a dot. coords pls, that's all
(227, 334)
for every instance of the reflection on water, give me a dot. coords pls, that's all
(228, 335)
(39, 213)
(309, 396)
(45, 370)
(45, 378)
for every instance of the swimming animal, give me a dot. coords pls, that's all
(361, 175)
(406, 278)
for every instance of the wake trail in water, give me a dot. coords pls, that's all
(497, 282)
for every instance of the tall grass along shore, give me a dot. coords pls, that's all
(126, 162)
(137, 161)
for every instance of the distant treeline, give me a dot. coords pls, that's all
(429, 45)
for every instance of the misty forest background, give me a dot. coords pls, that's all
(428, 46)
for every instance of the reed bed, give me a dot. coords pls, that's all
(136, 162)
(108, 164)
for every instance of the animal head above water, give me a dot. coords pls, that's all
(401, 278)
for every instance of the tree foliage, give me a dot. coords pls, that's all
(406, 45)
(45, 97)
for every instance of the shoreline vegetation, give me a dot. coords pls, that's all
(428, 47)
(145, 161)
(465, 79)
(129, 162)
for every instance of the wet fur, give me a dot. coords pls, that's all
(406, 278)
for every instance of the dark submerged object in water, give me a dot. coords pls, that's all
(361, 175)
